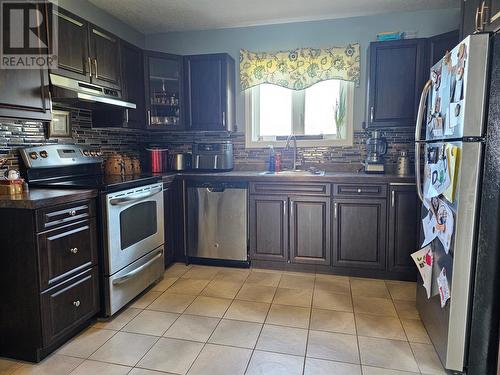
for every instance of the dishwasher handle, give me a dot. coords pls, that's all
(216, 189)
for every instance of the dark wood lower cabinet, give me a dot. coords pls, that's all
(359, 233)
(310, 230)
(269, 227)
(404, 213)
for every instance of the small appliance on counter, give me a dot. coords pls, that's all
(180, 161)
(376, 148)
(403, 166)
(214, 156)
(157, 159)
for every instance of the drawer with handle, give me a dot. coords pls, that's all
(69, 304)
(290, 188)
(51, 217)
(360, 190)
(66, 250)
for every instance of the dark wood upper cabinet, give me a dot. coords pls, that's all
(163, 75)
(73, 47)
(442, 43)
(492, 15)
(210, 92)
(469, 11)
(133, 85)
(269, 227)
(105, 58)
(359, 233)
(479, 16)
(397, 72)
(310, 230)
(404, 215)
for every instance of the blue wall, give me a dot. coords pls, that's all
(306, 34)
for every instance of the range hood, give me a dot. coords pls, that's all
(67, 90)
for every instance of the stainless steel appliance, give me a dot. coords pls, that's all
(157, 159)
(217, 226)
(376, 148)
(216, 156)
(180, 161)
(459, 250)
(130, 213)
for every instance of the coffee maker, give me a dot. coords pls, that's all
(376, 148)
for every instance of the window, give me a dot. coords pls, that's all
(274, 112)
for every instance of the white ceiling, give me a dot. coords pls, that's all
(157, 16)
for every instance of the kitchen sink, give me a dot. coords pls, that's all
(297, 172)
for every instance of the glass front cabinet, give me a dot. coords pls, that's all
(164, 97)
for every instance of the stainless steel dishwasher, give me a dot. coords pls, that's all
(217, 224)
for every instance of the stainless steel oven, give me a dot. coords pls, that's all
(134, 257)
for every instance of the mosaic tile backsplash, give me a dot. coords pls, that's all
(15, 134)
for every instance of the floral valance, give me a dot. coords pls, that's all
(300, 68)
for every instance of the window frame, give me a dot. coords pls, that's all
(252, 111)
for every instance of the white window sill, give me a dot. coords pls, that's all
(300, 143)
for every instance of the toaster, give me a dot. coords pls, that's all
(213, 156)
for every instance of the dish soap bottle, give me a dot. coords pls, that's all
(272, 160)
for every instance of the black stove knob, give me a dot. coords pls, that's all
(33, 155)
(44, 154)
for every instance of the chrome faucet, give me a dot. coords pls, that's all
(287, 147)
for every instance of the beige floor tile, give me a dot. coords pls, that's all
(164, 284)
(323, 299)
(390, 354)
(222, 289)
(333, 283)
(297, 282)
(124, 348)
(274, 364)
(150, 322)
(264, 278)
(119, 320)
(333, 346)
(291, 316)
(201, 273)
(170, 302)
(8, 365)
(188, 286)
(176, 270)
(280, 339)
(54, 365)
(221, 360)
(369, 288)
(236, 333)
(368, 370)
(415, 331)
(333, 321)
(146, 299)
(386, 327)
(406, 309)
(232, 275)
(316, 366)
(142, 371)
(100, 368)
(171, 355)
(402, 290)
(374, 306)
(86, 343)
(192, 327)
(293, 297)
(427, 359)
(209, 306)
(257, 293)
(248, 311)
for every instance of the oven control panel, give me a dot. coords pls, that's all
(59, 155)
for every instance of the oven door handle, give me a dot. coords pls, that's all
(135, 197)
(136, 271)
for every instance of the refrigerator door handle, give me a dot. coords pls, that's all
(418, 131)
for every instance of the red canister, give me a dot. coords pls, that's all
(158, 159)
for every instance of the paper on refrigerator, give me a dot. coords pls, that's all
(444, 225)
(424, 259)
(453, 156)
(443, 287)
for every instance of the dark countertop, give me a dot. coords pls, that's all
(39, 198)
(329, 177)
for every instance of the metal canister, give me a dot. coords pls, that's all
(403, 163)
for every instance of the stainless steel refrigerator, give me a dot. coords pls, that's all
(450, 139)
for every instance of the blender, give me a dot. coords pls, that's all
(376, 147)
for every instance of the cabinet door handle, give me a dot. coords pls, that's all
(335, 209)
(149, 117)
(73, 250)
(95, 68)
(476, 23)
(76, 303)
(393, 197)
(89, 66)
(371, 113)
(223, 119)
(484, 19)
(284, 207)
(291, 207)
(72, 213)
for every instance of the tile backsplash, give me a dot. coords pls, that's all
(15, 134)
